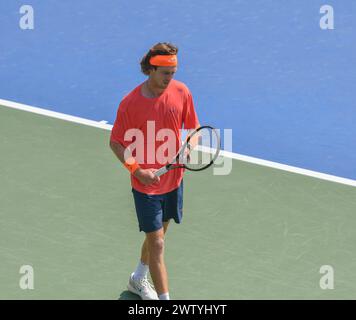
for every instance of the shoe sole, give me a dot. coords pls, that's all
(133, 290)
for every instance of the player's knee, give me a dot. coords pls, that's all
(156, 246)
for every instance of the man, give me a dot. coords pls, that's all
(159, 103)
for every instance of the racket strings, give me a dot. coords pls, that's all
(202, 149)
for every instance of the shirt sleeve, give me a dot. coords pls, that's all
(190, 118)
(121, 125)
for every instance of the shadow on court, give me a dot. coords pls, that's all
(127, 295)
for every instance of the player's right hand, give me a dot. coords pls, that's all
(146, 176)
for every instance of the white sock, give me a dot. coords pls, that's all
(141, 271)
(164, 296)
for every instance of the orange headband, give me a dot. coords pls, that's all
(164, 60)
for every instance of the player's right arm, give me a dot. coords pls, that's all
(145, 176)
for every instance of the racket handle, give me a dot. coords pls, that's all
(161, 171)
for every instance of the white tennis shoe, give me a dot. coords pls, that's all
(143, 288)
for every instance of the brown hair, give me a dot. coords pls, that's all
(161, 48)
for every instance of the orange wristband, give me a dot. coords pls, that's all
(131, 165)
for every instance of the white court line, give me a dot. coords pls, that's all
(53, 114)
(103, 125)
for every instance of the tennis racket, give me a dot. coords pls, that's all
(198, 152)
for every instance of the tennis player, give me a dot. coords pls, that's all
(159, 103)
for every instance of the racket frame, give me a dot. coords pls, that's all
(172, 165)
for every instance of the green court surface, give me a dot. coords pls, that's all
(66, 209)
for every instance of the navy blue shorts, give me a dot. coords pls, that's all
(153, 210)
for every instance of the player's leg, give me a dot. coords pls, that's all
(149, 214)
(143, 265)
(144, 249)
(155, 245)
(152, 216)
(172, 209)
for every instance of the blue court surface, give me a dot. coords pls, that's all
(265, 69)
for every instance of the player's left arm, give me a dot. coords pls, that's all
(190, 119)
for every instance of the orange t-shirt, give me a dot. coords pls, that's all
(172, 110)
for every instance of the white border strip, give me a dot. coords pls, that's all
(53, 114)
(288, 168)
(103, 125)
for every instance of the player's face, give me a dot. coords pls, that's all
(163, 75)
